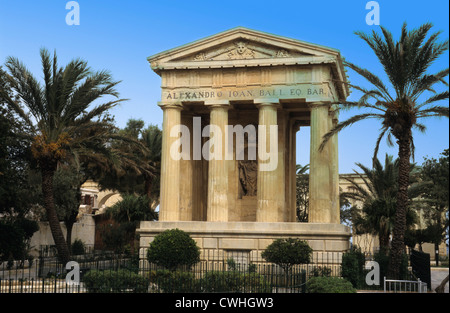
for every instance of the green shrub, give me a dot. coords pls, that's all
(233, 281)
(173, 248)
(288, 252)
(173, 281)
(108, 281)
(353, 267)
(329, 285)
(78, 247)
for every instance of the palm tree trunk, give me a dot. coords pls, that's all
(440, 288)
(69, 227)
(384, 242)
(48, 172)
(398, 243)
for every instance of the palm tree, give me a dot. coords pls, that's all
(141, 175)
(399, 108)
(152, 139)
(378, 196)
(65, 127)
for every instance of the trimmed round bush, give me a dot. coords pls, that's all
(329, 285)
(288, 252)
(173, 248)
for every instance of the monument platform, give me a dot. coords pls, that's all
(329, 241)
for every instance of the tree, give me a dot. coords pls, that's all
(302, 192)
(436, 198)
(288, 252)
(128, 212)
(62, 122)
(378, 199)
(141, 177)
(405, 62)
(67, 194)
(17, 191)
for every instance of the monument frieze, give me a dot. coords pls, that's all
(306, 91)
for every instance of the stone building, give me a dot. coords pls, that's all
(232, 104)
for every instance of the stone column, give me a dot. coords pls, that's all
(294, 128)
(217, 207)
(334, 170)
(170, 166)
(270, 183)
(320, 206)
(187, 187)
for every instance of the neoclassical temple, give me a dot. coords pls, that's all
(241, 96)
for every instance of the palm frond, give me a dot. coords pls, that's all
(340, 126)
(372, 78)
(434, 98)
(383, 131)
(420, 127)
(434, 111)
(26, 86)
(425, 83)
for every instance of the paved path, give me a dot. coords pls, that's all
(437, 276)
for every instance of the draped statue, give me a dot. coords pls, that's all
(248, 173)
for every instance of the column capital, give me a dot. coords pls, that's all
(267, 102)
(217, 103)
(318, 104)
(170, 105)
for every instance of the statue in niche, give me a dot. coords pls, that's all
(247, 161)
(241, 51)
(248, 173)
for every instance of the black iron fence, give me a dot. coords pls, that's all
(217, 272)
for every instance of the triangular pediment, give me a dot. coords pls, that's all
(240, 44)
(241, 49)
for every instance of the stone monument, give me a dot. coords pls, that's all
(228, 99)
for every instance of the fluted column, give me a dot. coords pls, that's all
(170, 165)
(294, 128)
(320, 206)
(217, 207)
(334, 169)
(270, 181)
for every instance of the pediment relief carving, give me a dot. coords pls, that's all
(240, 50)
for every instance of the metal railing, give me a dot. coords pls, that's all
(404, 286)
(230, 273)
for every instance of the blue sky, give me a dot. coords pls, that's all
(120, 35)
